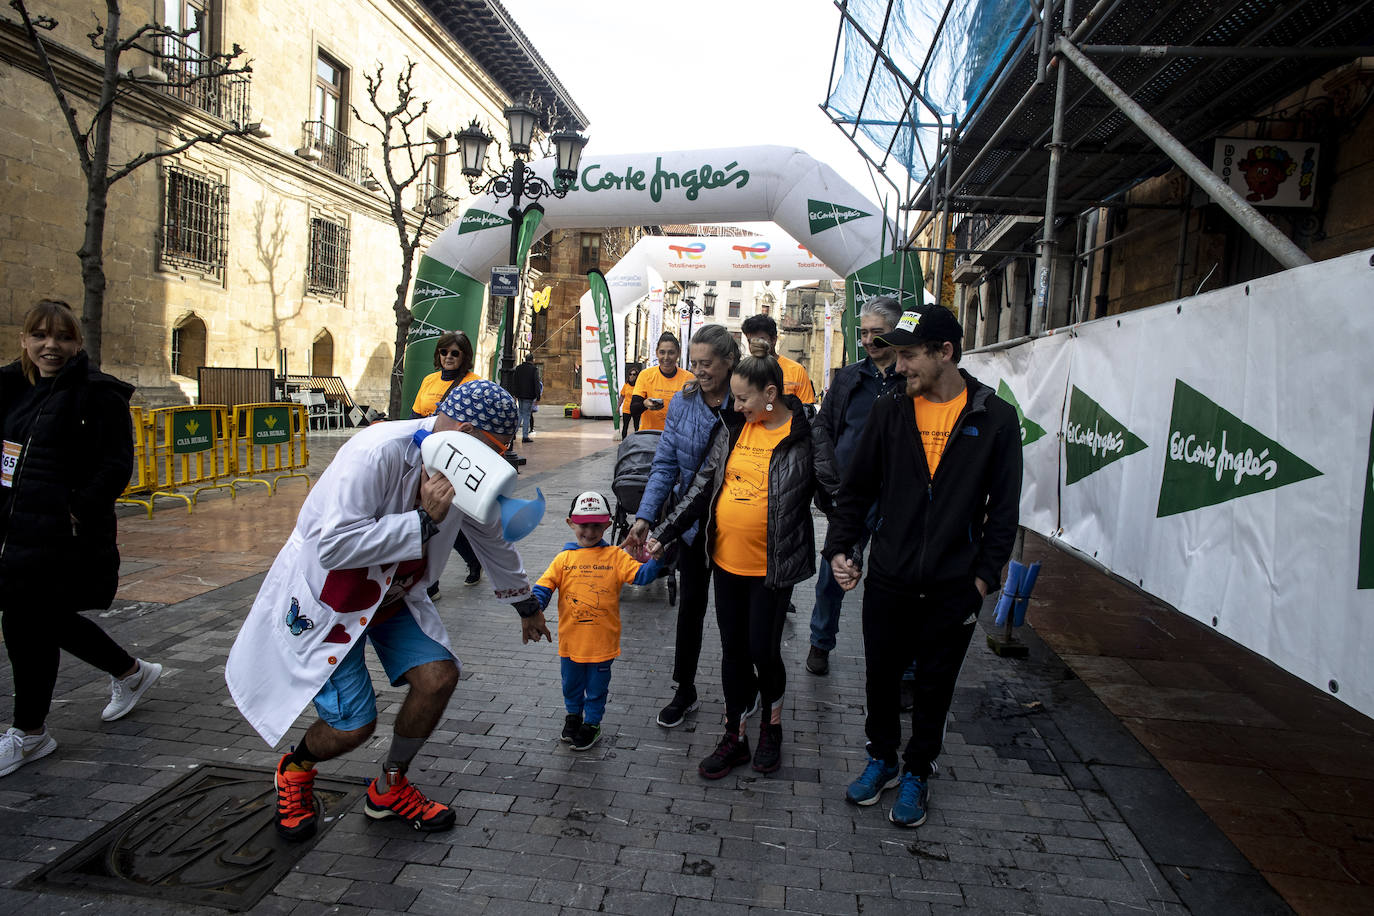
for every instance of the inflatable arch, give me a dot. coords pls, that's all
(838, 227)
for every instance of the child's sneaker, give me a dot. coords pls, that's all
(587, 735)
(403, 800)
(571, 723)
(296, 815)
(732, 751)
(17, 749)
(125, 692)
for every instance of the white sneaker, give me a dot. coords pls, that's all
(125, 692)
(17, 749)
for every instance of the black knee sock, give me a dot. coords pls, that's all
(300, 756)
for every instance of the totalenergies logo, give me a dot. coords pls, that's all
(810, 256)
(692, 252)
(752, 252)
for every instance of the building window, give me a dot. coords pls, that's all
(330, 77)
(188, 346)
(736, 284)
(194, 220)
(710, 282)
(327, 272)
(734, 308)
(591, 251)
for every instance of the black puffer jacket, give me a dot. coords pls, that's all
(791, 481)
(57, 522)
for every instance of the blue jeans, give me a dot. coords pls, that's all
(526, 408)
(585, 687)
(825, 615)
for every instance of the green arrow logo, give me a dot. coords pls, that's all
(475, 220)
(1094, 438)
(1366, 578)
(823, 215)
(192, 426)
(1214, 456)
(1030, 430)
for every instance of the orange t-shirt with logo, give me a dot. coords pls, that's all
(626, 392)
(796, 381)
(588, 581)
(742, 507)
(935, 421)
(654, 384)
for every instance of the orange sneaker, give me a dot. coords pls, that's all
(297, 818)
(403, 800)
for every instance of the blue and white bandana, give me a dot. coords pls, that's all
(486, 405)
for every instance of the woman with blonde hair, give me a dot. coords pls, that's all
(68, 454)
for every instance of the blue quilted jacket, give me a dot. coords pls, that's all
(686, 436)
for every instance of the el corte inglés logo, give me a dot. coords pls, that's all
(705, 178)
(1030, 430)
(1094, 438)
(1214, 456)
(477, 220)
(822, 215)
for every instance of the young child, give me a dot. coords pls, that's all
(588, 575)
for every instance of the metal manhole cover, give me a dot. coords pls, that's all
(207, 839)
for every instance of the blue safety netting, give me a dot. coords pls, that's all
(941, 55)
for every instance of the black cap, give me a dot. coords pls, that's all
(924, 324)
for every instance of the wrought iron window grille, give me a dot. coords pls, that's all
(194, 222)
(327, 272)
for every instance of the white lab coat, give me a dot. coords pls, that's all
(360, 515)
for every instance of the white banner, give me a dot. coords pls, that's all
(1217, 452)
(654, 303)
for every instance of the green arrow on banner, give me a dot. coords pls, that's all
(474, 220)
(1214, 456)
(443, 300)
(822, 215)
(1095, 438)
(1366, 578)
(1030, 430)
(605, 332)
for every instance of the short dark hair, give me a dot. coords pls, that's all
(669, 337)
(761, 369)
(760, 324)
(455, 339)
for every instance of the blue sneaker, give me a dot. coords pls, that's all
(876, 777)
(913, 796)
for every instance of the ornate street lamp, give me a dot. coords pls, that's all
(517, 183)
(709, 298)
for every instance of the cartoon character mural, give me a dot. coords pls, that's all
(1265, 169)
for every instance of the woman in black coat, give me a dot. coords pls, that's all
(68, 454)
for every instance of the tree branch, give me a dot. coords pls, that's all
(187, 142)
(47, 23)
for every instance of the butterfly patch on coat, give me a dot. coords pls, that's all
(297, 621)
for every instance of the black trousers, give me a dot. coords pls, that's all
(751, 617)
(35, 639)
(693, 587)
(933, 628)
(464, 549)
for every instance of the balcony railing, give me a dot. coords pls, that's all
(339, 153)
(434, 200)
(970, 231)
(191, 77)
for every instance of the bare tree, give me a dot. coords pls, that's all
(406, 157)
(93, 139)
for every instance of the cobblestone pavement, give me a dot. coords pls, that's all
(1044, 804)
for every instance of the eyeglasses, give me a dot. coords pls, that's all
(454, 352)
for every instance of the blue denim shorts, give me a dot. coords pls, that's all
(347, 700)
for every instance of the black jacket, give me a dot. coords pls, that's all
(830, 432)
(57, 523)
(962, 523)
(524, 382)
(791, 480)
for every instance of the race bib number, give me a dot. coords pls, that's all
(9, 462)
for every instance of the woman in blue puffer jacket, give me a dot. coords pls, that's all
(693, 416)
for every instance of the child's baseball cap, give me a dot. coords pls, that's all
(589, 508)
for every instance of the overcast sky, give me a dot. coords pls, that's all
(660, 75)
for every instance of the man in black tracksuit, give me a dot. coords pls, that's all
(938, 547)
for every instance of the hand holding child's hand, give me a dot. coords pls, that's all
(654, 548)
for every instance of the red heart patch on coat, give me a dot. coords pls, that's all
(350, 591)
(339, 634)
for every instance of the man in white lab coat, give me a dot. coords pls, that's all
(354, 571)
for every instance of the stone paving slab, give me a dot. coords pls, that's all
(1044, 804)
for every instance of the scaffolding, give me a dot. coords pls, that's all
(1049, 108)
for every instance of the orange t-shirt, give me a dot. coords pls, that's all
(796, 381)
(935, 420)
(742, 507)
(432, 391)
(626, 392)
(653, 384)
(588, 581)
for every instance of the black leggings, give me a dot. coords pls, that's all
(751, 617)
(695, 582)
(464, 548)
(34, 639)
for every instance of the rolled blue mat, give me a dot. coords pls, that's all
(1023, 599)
(1015, 572)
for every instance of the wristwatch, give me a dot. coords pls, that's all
(428, 526)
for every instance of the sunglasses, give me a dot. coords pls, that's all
(453, 352)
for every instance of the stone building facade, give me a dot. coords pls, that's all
(272, 250)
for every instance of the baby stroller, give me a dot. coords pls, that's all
(633, 458)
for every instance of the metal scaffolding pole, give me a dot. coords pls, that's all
(1260, 229)
(1045, 247)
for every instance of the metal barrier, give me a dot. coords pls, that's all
(190, 446)
(268, 438)
(136, 493)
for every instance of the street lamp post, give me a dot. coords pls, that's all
(517, 182)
